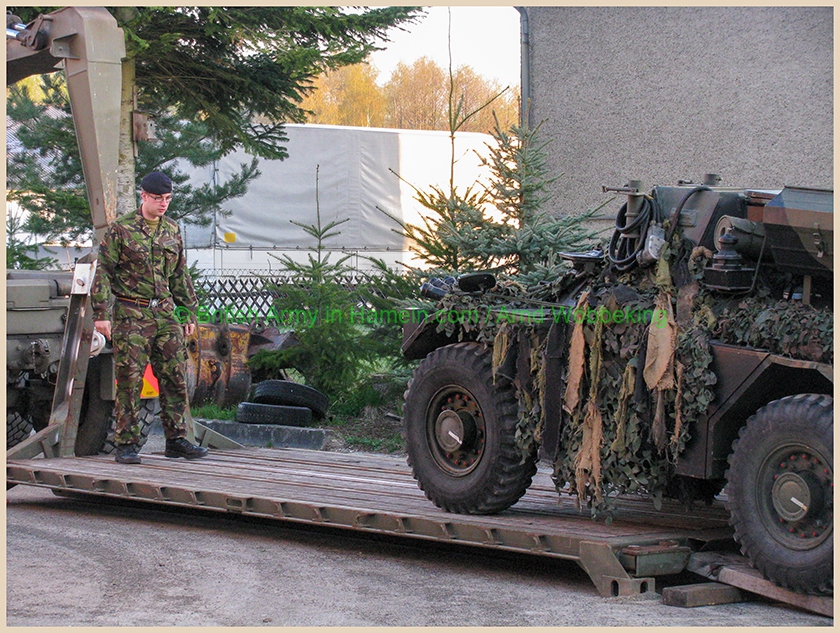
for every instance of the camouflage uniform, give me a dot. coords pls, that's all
(137, 262)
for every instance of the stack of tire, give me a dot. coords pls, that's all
(282, 402)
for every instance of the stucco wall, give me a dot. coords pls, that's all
(663, 93)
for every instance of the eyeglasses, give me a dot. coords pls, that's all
(160, 199)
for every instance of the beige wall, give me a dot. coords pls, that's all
(663, 93)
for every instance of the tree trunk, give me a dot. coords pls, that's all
(126, 188)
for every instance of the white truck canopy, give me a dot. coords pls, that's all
(357, 171)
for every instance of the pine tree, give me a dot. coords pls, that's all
(234, 74)
(522, 241)
(527, 240)
(44, 172)
(342, 338)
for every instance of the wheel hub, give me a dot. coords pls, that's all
(456, 431)
(798, 483)
(792, 496)
(449, 430)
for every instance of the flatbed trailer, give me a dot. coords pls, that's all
(377, 494)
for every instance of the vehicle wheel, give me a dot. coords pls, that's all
(255, 413)
(780, 485)
(96, 414)
(149, 410)
(292, 394)
(459, 429)
(18, 428)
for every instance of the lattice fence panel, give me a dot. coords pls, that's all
(244, 298)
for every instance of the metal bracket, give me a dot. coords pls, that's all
(204, 436)
(45, 442)
(37, 35)
(610, 578)
(83, 278)
(627, 190)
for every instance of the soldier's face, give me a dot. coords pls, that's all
(154, 206)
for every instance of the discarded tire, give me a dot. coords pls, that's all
(255, 413)
(291, 394)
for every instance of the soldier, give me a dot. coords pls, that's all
(142, 265)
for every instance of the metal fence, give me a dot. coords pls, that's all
(245, 295)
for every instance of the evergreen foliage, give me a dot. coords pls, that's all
(444, 241)
(214, 78)
(21, 252)
(526, 241)
(243, 71)
(44, 174)
(503, 227)
(346, 330)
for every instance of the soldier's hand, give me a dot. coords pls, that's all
(104, 328)
(189, 329)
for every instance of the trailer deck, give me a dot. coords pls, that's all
(377, 493)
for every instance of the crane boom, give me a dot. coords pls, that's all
(89, 46)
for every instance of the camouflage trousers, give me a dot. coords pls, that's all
(138, 341)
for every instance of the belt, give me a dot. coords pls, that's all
(143, 303)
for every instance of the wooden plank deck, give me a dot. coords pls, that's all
(377, 493)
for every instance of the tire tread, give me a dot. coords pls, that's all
(815, 579)
(291, 394)
(510, 475)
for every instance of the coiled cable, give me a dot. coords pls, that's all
(628, 240)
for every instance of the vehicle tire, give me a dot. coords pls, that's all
(255, 413)
(18, 428)
(149, 411)
(460, 428)
(780, 485)
(96, 414)
(292, 394)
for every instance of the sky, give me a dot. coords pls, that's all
(485, 38)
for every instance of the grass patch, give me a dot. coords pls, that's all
(377, 390)
(213, 412)
(392, 444)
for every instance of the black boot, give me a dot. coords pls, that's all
(182, 448)
(128, 454)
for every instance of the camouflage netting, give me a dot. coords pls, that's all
(632, 390)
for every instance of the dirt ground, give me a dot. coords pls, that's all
(376, 430)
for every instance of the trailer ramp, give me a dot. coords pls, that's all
(377, 493)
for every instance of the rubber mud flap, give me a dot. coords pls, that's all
(291, 394)
(255, 413)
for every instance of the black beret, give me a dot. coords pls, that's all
(157, 183)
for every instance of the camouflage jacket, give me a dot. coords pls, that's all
(136, 263)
